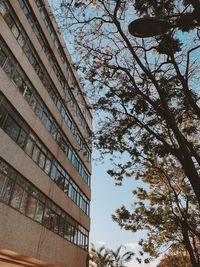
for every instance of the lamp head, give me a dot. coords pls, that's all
(148, 27)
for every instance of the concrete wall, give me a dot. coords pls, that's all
(26, 237)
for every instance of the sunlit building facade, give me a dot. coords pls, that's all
(45, 143)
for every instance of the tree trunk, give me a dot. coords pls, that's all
(188, 246)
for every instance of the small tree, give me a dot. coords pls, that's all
(118, 259)
(104, 257)
(100, 257)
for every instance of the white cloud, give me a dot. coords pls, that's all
(132, 246)
(134, 263)
(101, 242)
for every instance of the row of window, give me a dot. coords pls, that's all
(45, 16)
(20, 194)
(45, 46)
(33, 58)
(28, 141)
(16, 74)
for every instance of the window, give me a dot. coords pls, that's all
(29, 146)
(17, 79)
(27, 51)
(21, 40)
(66, 186)
(31, 206)
(33, 102)
(46, 218)
(39, 110)
(2, 57)
(7, 190)
(9, 67)
(36, 152)
(27, 93)
(39, 212)
(47, 166)
(16, 196)
(15, 31)
(2, 115)
(2, 182)
(2, 9)
(42, 160)
(22, 138)
(26, 198)
(61, 224)
(53, 171)
(59, 179)
(11, 128)
(9, 20)
(53, 131)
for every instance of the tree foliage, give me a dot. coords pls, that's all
(146, 92)
(104, 257)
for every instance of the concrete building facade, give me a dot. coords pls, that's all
(45, 143)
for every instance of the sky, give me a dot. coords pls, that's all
(106, 198)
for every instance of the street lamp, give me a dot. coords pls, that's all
(148, 27)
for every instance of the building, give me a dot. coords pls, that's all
(45, 146)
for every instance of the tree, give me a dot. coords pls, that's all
(118, 259)
(167, 210)
(100, 257)
(104, 257)
(175, 259)
(146, 92)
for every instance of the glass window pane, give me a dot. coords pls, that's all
(16, 196)
(7, 190)
(66, 186)
(2, 9)
(2, 115)
(11, 128)
(4, 168)
(2, 57)
(46, 218)
(53, 131)
(36, 152)
(53, 172)
(61, 224)
(24, 202)
(2, 182)
(44, 118)
(33, 102)
(27, 93)
(59, 179)
(39, 110)
(31, 206)
(42, 160)
(17, 78)
(9, 20)
(21, 40)
(22, 88)
(27, 50)
(47, 166)
(66, 230)
(22, 138)
(29, 146)
(15, 31)
(39, 212)
(9, 67)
